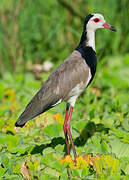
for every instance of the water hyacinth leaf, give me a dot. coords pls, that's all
(2, 171)
(120, 149)
(4, 159)
(9, 140)
(127, 169)
(53, 130)
(125, 124)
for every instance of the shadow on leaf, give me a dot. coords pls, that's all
(88, 132)
(55, 141)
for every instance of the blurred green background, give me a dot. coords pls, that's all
(33, 32)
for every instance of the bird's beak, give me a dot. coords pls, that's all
(108, 26)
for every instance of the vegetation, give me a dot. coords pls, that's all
(33, 32)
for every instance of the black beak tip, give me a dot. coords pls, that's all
(113, 29)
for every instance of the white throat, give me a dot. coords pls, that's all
(90, 39)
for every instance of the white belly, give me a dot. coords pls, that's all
(76, 91)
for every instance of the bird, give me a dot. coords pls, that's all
(69, 79)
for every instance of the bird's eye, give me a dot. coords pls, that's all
(96, 20)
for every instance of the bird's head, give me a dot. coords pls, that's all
(96, 21)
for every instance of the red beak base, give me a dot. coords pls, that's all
(107, 26)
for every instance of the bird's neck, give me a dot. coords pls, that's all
(88, 39)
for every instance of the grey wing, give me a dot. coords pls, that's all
(42, 101)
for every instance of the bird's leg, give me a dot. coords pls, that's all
(65, 128)
(69, 133)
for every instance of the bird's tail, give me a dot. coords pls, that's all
(41, 102)
(33, 109)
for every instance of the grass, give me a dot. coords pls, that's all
(100, 127)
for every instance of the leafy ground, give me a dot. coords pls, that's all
(100, 129)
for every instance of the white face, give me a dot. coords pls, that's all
(96, 22)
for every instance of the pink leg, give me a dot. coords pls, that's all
(65, 128)
(69, 133)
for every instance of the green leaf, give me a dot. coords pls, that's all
(2, 170)
(53, 130)
(119, 148)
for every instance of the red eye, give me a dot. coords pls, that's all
(96, 20)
